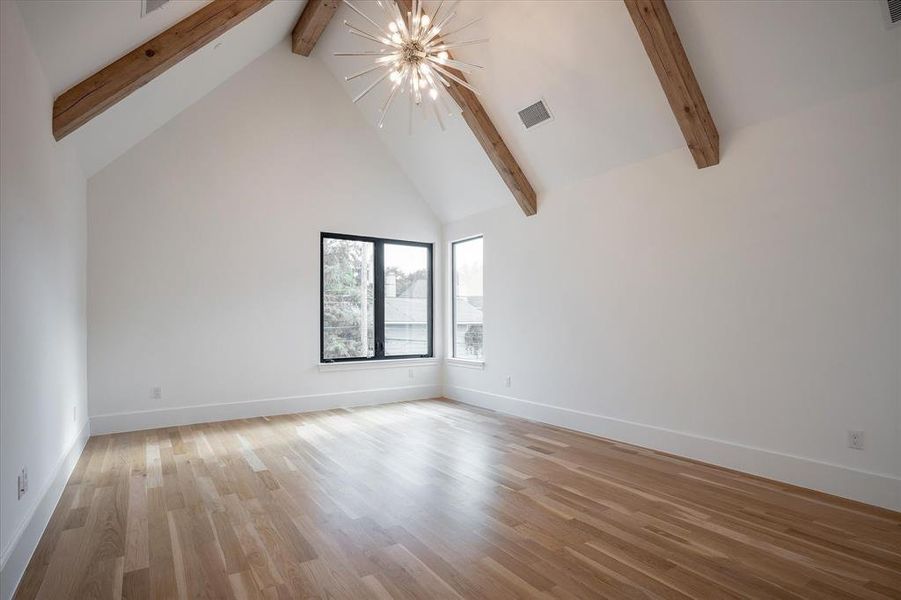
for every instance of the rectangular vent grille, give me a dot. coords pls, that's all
(892, 12)
(535, 114)
(148, 6)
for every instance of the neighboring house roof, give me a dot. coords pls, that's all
(406, 310)
(467, 311)
(415, 310)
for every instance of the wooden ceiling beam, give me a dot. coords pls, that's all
(315, 16)
(490, 139)
(84, 101)
(661, 42)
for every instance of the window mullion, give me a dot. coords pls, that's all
(453, 299)
(431, 306)
(379, 298)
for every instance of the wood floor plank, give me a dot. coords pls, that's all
(435, 499)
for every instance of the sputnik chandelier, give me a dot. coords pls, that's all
(413, 57)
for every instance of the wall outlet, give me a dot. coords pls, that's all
(156, 393)
(23, 482)
(855, 440)
(507, 381)
(410, 373)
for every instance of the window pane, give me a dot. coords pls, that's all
(406, 300)
(348, 324)
(468, 299)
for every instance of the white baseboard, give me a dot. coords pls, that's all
(204, 413)
(872, 488)
(18, 551)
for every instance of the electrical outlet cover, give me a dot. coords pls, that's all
(22, 483)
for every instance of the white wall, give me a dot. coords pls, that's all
(203, 244)
(746, 314)
(42, 301)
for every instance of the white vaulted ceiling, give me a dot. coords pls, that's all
(754, 61)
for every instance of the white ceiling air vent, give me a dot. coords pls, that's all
(535, 114)
(148, 6)
(892, 10)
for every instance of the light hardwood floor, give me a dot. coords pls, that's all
(434, 499)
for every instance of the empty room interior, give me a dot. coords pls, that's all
(414, 299)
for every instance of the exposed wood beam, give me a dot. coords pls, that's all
(661, 42)
(81, 103)
(315, 16)
(495, 147)
(488, 136)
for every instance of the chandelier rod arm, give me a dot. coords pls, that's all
(367, 70)
(437, 65)
(364, 35)
(459, 29)
(371, 86)
(354, 8)
(452, 45)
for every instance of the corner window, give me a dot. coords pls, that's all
(466, 265)
(376, 300)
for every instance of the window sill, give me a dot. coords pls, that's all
(466, 363)
(361, 365)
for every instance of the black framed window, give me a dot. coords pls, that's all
(466, 266)
(376, 298)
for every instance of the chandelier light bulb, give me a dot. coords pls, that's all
(412, 55)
